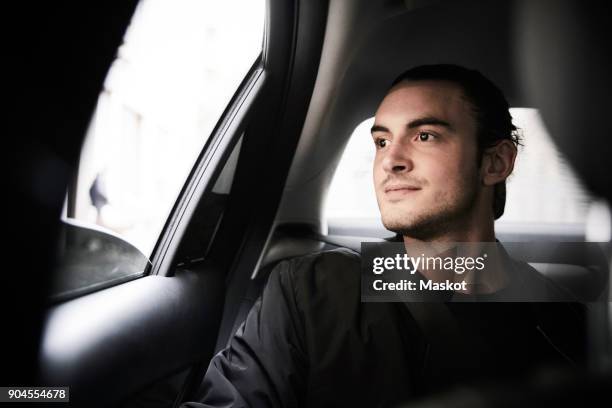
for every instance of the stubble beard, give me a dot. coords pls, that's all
(450, 214)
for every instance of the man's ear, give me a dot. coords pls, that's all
(498, 162)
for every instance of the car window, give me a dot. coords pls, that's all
(543, 193)
(177, 69)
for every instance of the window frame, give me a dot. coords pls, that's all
(206, 169)
(201, 178)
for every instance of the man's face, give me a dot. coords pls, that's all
(425, 170)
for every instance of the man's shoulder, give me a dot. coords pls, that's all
(541, 287)
(323, 273)
(335, 262)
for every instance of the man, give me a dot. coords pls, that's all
(445, 145)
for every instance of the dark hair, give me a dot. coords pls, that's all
(488, 104)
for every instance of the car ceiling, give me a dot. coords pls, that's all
(367, 44)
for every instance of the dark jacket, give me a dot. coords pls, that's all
(309, 341)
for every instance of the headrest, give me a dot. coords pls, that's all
(563, 59)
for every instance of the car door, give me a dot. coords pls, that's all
(127, 327)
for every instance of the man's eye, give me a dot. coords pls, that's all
(380, 143)
(426, 136)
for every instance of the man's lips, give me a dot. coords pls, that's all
(401, 188)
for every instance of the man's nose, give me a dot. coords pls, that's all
(397, 159)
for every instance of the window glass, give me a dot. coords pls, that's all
(351, 197)
(179, 65)
(542, 193)
(543, 188)
(176, 71)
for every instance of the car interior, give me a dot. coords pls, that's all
(139, 331)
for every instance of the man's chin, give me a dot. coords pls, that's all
(396, 217)
(402, 227)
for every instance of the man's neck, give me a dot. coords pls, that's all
(476, 231)
(471, 230)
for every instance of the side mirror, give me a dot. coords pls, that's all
(91, 258)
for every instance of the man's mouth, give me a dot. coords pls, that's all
(401, 187)
(400, 190)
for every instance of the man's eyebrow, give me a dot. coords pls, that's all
(379, 128)
(429, 120)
